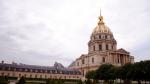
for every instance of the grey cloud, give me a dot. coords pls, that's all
(58, 30)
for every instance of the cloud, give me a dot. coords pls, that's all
(42, 32)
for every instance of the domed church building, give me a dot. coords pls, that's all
(102, 49)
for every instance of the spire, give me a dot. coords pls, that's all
(100, 11)
(100, 18)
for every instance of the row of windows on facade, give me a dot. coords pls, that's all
(103, 37)
(38, 71)
(100, 47)
(37, 76)
(83, 61)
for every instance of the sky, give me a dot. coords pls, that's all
(42, 32)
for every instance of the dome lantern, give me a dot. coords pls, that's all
(101, 27)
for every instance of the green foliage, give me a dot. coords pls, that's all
(126, 71)
(80, 82)
(106, 72)
(3, 80)
(22, 81)
(54, 81)
(90, 74)
(141, 71)
(137, 71)
(88, 81)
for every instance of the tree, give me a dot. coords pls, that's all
(88, 81)
(91, 75)
(22, 81)
(147, 70)
(60, 81)
(80, 82)
(106, 72)
(141, 71)
(126, 73)
(48, 81)
(3, 80)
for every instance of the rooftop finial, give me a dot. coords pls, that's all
(100, 12)
(100, 18)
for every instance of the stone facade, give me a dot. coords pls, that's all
(102, 49)
(32, 71)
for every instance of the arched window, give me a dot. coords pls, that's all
(100, 47)
(36, 76)
(64, 77)
(83, 72)
(105, 36)
(118, 60)
(19, 75)
(94, 48)
(25, 75)
(94, 37)
(30, 76)
(40, 76)
(92, 60)
(103, 59)
(45, 76)
(99, 36)
(106, 46)
(3, 74)
(83, 61)
(77, 63)
(13, 74)
(8, 74)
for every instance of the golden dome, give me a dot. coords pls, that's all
(101, 27)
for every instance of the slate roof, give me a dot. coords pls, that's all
(57, 67)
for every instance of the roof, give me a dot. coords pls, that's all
(101, 27)
(122, 50)
(57, 67)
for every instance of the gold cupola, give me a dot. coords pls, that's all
(101, 27)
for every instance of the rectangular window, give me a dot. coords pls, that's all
(99, 36)
(92, 60)
(36, 76)
(77, 63)
(94, 48)
(103, 59)
(105, 36)
(30, 76)
(100, 47)
(83, 61)
(106, 47)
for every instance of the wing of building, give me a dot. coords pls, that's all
(102, 49)
(58, 71)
